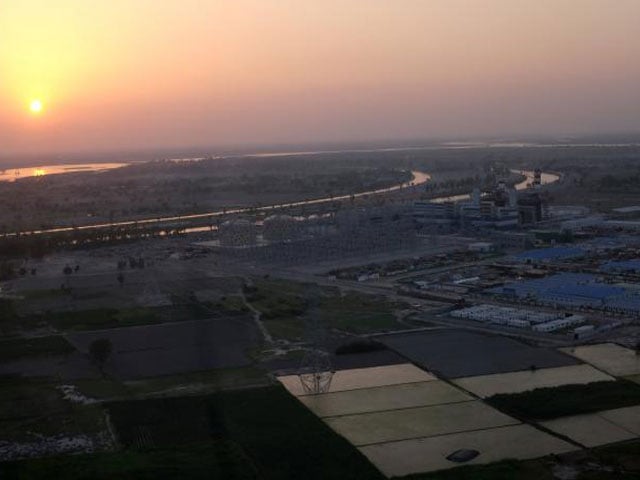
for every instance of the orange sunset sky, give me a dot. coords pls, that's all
(122, 74)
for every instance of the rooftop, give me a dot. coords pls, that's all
(630, 209)
(552, 253)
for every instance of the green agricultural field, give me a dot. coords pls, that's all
(285, 305)
(34, 407)
(93, 319)
(613, 462)
(548, 403)
(230, 304)
(10, 321)
(15, 348)
(262, 433)
(207, 380)
(102, 318)
(45, 293)
(360, 313)
(102, 388)
(505, 470)
(278, 299)
(223, 460)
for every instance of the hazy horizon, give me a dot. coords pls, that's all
(140, 75)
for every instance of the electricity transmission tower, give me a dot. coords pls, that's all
(316, 370)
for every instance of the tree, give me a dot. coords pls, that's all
(7, 270)
(100, 351)
(67, 270)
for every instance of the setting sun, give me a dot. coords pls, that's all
(35, 106)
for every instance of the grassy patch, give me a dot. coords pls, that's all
(624, 456)
(15, 348)
(232, 304)
(280, 436)
(284, 438)
(138, 316)
(359, 313)
(226, 458)
(284, 304)
(9, 320)
(547, 403)
(103, 318)
(612, 462)
(101, 388)
(43, 294)
(505, 470)
(33, 407)
(207, 380)
(360, 346)
(81, 320)
(291, 328)
(275, 304)
(213, 460)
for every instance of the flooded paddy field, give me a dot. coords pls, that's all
(456, 354)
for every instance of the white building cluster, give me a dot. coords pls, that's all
(519, 318)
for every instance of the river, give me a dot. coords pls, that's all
(545, 179)
(418, 178)
(13, 174)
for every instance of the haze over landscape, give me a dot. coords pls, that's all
(141, 73)
(339, 239)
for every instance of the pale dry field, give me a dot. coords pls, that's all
(407, 421)
(391, 397)
(610, 357)
(634, 378)
(429, 454)
(599, 428)
(364, 378)
(389, 426)
(628, 418)
(590, 430)
(515, 382)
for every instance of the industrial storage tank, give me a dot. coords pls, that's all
(318, 226)
(237, 233)
(279, 228)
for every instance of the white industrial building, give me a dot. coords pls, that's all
(513, 317)
(559, 324)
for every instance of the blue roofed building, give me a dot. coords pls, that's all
(574, 290)
(550, 254)
(625, 266)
